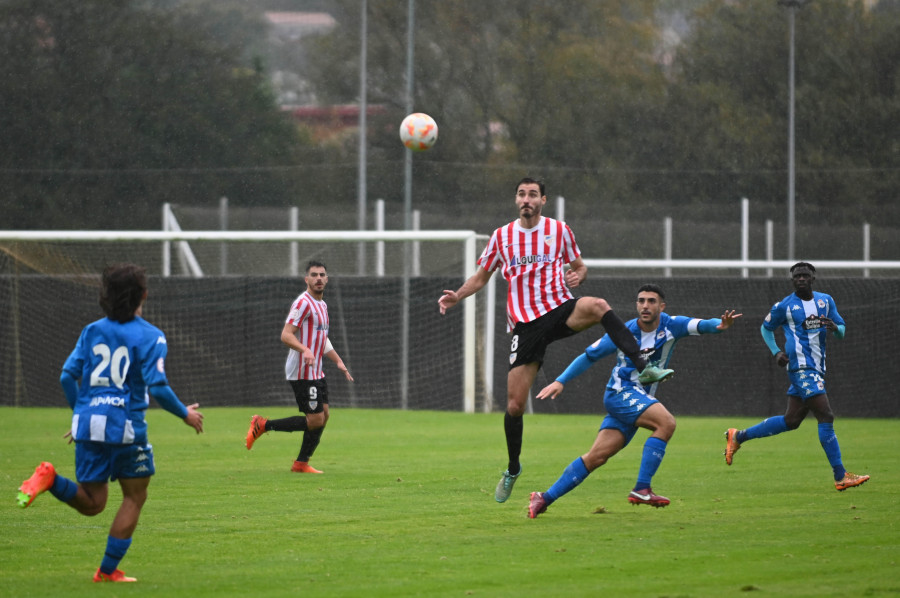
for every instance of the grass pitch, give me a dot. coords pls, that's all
(406, 508)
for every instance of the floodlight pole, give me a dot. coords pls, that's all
(410, 91)
(363, 108)
(792, 6)
(407, 209)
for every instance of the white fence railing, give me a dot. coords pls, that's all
(864, 266)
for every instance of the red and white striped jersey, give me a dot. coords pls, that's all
(532, 263)
(310, 316)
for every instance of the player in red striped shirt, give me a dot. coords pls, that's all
(531, 252)
(306, 334)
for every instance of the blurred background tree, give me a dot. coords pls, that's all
(633, 109)
(730, 96)
(110, 108)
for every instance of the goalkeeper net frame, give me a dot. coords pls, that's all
(385, 323)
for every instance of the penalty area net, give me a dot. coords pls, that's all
(222, 297)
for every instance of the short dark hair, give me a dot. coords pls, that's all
(803, 265)
(122, 290)
(652, 288)
(531, 181)
(315, 264)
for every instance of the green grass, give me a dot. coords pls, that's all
(406, 508)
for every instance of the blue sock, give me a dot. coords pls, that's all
(767, 427)
(654, 451)
(574, 474)
(63, 488)
(115, 552)
(829, 442)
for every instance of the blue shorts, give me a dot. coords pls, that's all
(806, 384)
(623, 408)
(101, 462)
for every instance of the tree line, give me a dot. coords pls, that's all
(110, 108)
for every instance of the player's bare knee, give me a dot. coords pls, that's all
(597, 307)
(667, 433)
(825, 418)
(515, 409)
(593, 461)
(515, 403)
(91, 510)
(665, 426)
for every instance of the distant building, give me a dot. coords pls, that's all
(291, 26)
(329, 122)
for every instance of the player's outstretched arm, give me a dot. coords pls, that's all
(718, 325)
(577, 367)
(552, 390)
(728, 319)
(474, 284)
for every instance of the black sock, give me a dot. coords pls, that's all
(513, 426)
(295, 423)
(623, 339)
(311, 440)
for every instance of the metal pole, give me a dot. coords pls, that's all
(745, 235)
(792, 243)
(560, 208)
(363, 107)
(293, 249)
(379, 245)
(867, 246)
(416, 245)
(407, 211)
(410, 91)
(667, 244)
(167, 245)
(223, 225)
(490, 306)
(470, 331)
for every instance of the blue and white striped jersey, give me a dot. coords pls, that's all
(655, 346)
(804, 333)
(116, 364)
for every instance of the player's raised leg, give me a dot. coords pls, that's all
(257, 429)
(40, 481)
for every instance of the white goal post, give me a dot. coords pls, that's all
(468, 240)
(421, 360)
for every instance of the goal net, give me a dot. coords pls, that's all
(222, 299)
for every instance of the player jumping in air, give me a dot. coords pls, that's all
(806, 317)
(531, 252)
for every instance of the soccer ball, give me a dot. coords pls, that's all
(418, 131)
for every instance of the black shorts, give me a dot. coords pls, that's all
(311, 395)
(530, 339)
